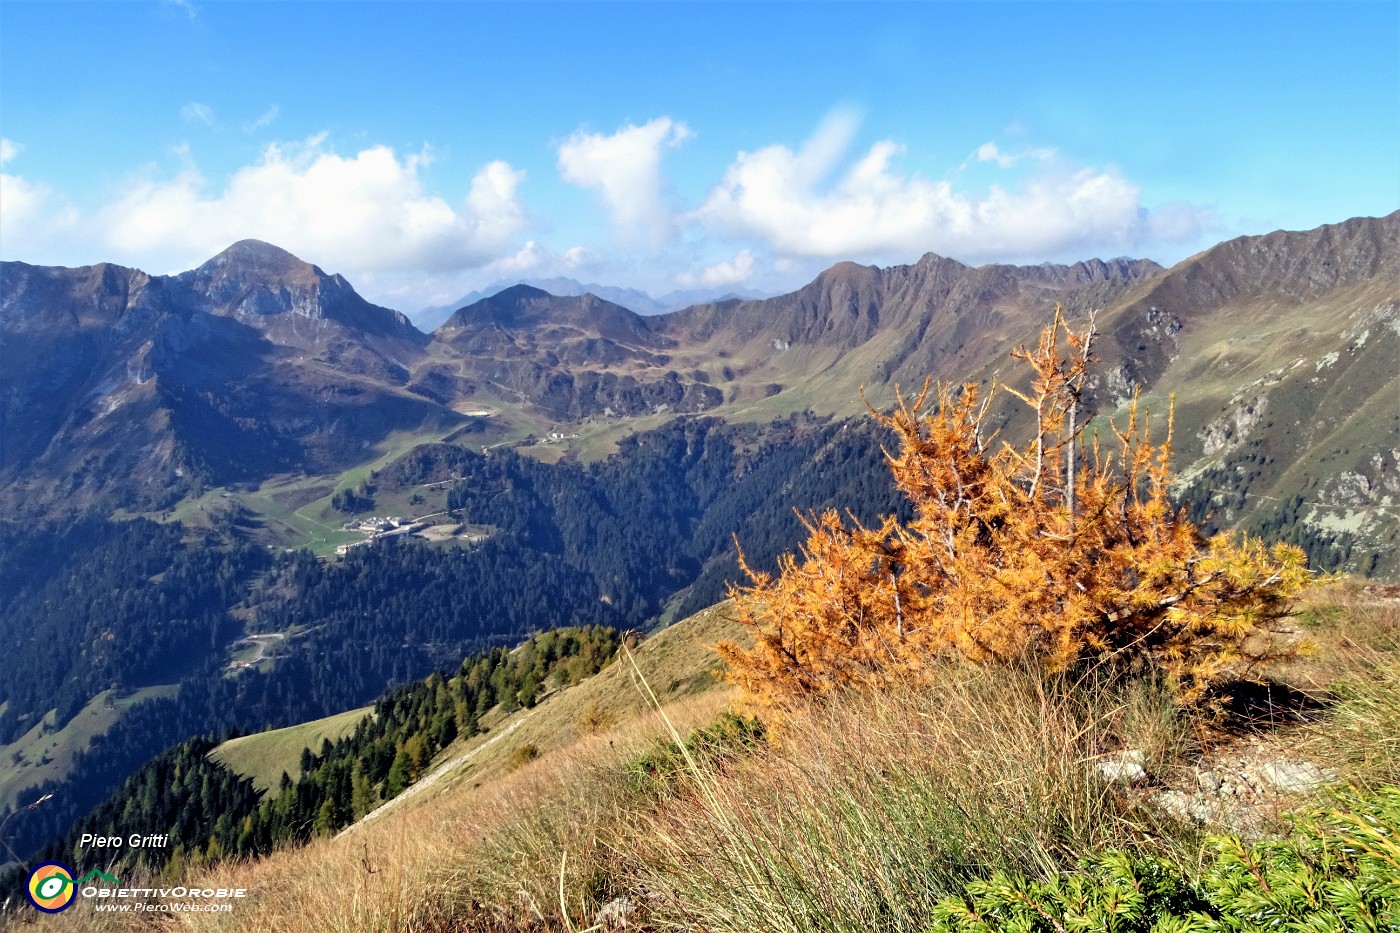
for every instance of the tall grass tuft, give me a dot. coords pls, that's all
(865, 811)
(1360, 648)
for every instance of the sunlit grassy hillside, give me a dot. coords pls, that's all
(266, 756)
(867, 812)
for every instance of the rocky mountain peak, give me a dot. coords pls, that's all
(519, 294)
(259, 283)
(253, 264)
(935, 261)
(508, 308)
(257, 257)
(1108, 270)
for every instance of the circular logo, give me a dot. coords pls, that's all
(51, 887)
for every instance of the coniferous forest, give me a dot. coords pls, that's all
(212, 812)
(127, 605)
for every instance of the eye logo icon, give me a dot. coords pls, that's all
(51, 887)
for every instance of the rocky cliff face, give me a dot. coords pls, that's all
(1283, 353)
(865, 326)
(1276, 274)
(295, 305)
(848, 305)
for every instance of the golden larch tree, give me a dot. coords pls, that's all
(1064, 550)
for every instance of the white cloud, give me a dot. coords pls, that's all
(34, 218)
(195, 112)
(184, 6)
(777, 213)
(496, 214)
(526, 258)
(988, 152)
(367, 212)
(1177, 222)
(266, 119)
(368, 216)
(625, 168)
(804, 205)
(991, 152)
(727, 272)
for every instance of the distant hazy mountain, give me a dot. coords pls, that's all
(429, 319)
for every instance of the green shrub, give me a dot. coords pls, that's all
(523, 755)
(661, 770)
(1338, 870)
(1114, 891)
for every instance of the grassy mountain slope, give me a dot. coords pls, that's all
(490, 784)
(867, 813)
(45, 752)
(1285, 389)
(859, 326)
(265, 756)
(678, 664)
(606, 710)
(294, 638)
(273, 380)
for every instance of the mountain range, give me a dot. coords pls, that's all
(1282, 353)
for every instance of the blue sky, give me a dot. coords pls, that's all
(426, 149)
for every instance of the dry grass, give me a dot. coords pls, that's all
(869, 809)
(483, 850)
(678, 662)
(1346, 624)
(858, 816)
(487, 858)
(1358, 663)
